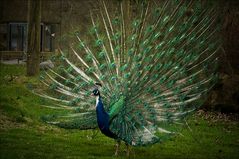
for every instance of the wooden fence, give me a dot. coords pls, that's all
(21, 55)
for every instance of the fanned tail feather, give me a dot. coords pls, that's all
(161, 57)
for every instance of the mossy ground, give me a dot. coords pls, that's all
(23, 135)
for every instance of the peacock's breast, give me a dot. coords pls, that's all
(102, 116)
(103, 120)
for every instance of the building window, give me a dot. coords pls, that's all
(17, 36)
(3, 37)
(47, 37)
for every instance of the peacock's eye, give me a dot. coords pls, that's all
(95, 92)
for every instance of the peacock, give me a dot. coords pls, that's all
(137, 72)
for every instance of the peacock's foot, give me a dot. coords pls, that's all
(127, 150)
(117, 148)
(116, 152)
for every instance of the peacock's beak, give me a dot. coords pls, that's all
(92, 94)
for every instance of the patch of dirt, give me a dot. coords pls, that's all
(217, 116)
(9, 123)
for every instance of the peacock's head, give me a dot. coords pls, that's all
(96, 91)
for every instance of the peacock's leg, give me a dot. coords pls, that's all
(127, 149)
(117, 147)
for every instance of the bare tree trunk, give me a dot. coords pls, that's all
(33, 37)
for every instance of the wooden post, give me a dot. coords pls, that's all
(33, 37)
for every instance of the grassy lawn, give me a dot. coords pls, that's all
(23, 135)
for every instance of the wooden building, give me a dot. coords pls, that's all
(57, 16)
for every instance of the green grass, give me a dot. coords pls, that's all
(23, 135)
